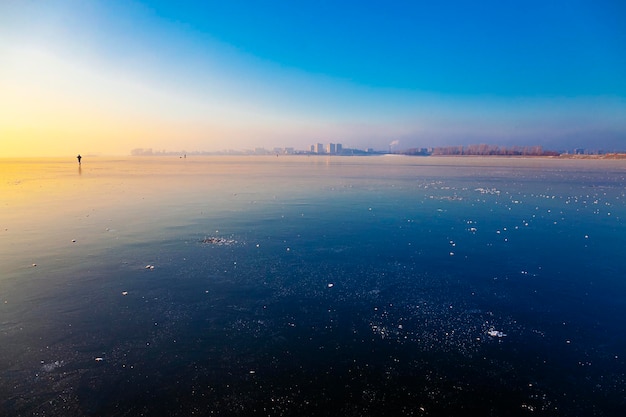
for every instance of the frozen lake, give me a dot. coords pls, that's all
(309, 286)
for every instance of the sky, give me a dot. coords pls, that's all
(105, 77)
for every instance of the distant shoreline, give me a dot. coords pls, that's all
(611, 156)
(607, 156)
(603, 156)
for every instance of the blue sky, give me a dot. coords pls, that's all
(498, 47)
(216, 75)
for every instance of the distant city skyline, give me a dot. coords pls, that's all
(330, 149)
(103, 77)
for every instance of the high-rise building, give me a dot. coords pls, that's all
(330, 148)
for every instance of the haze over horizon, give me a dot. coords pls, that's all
(104, 77)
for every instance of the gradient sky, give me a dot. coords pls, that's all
(104, 77)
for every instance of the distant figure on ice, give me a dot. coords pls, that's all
(79, 158)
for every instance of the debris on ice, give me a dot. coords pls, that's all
(496, 333)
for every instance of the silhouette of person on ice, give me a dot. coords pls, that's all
(79, 158)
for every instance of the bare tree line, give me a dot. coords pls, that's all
(486, 150)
